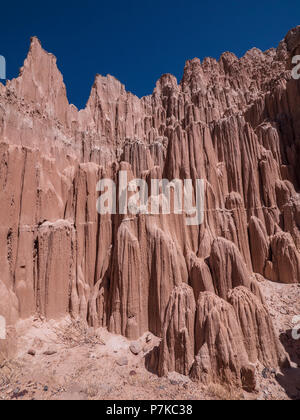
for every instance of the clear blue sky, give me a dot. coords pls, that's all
(138, 40)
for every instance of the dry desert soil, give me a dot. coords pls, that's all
(69, 361)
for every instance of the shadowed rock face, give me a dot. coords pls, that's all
(234, 123)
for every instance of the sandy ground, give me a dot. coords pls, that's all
(68, 361)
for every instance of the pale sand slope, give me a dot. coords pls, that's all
(86, 362)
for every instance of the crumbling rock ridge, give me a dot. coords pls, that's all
(234, 123)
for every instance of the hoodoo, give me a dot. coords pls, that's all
(233, 123)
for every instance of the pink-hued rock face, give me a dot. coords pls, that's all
(235, 123)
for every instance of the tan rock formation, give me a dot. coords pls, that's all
(257, 329)
(220, 351)
(177, 347)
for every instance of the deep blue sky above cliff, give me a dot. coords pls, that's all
(138, 41)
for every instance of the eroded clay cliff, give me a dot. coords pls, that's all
(234, 123)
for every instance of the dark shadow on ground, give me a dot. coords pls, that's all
(292, 346)
(289, 379)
